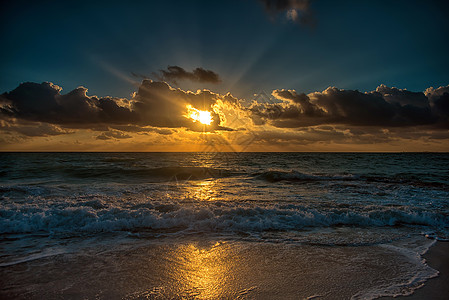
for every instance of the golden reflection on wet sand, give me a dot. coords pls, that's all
(203, 272)
(202, 269)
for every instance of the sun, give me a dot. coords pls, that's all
(202, 116)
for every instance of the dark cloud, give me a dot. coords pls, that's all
(403, 97)
(301, 102)
(297, 11)
(370, 109)
(160, 105)
(32, 129)
(174, 74)
(44, 103)
(439, 101)
(108, 135)
(155, 104)
(385, 107)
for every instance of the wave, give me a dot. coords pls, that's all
(160, 174)
(295, 176)
(274, 176)
(219, 217)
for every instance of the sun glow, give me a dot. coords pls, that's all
(202, 116)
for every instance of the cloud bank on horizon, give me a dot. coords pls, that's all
(157, 113)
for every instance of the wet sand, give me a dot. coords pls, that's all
(208, 270)
(436, 288)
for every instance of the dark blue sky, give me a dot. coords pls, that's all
(350, 45)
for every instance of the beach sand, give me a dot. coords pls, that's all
(436, 288)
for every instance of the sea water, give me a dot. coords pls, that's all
(219, 225)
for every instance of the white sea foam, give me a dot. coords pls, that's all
(407, 282)
(34, 256)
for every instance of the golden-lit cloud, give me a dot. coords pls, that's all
(161, 118)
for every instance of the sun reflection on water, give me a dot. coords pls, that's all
(203, 190)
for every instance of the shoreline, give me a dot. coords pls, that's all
(435, 288)
(207, 269)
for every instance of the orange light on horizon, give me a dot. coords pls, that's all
(202, 116)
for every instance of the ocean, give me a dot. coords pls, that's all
(219, 225)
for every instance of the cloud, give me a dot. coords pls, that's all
(113, 135)
(439, 101)
(160, 105)
(385, 107)
(155, 104)
(403, 97)
(157, 114)
(142, 129)
(174, 74)
(297, 11)
(44, 103)
(32, 129)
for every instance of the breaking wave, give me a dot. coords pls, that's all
(98, 216)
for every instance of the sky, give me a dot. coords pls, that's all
(273, 75)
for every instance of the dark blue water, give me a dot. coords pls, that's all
(221, 192)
